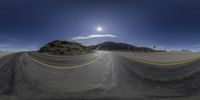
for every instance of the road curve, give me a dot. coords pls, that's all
(109, 75)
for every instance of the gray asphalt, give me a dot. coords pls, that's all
(110, 77)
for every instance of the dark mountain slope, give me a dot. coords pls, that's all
(113, 46)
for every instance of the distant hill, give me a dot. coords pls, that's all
(113, 46)
(58, 47)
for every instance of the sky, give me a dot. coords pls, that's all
(167, 24)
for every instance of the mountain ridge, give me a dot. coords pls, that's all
(119, 46)
(58, 47)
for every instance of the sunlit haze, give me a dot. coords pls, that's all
(99, 29)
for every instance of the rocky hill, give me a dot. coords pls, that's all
(58, 47)
(113, 46)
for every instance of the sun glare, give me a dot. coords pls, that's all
(99, 29)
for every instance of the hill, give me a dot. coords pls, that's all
(58, 47)
(113, 46)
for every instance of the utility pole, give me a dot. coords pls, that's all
(154, 46)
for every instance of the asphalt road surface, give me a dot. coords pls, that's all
(100, 75)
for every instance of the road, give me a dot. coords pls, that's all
(100, 75)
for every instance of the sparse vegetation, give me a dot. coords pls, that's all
(113, 46)
(4, 53)
(58, 47)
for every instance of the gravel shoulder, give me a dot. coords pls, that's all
(164, 57)
(2, 54)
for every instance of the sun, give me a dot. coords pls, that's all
(99, 29)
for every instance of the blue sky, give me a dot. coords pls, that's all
(170, 24)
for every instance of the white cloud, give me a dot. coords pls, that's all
(93, 36)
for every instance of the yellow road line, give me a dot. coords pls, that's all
(163, 64)
(59, 67)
